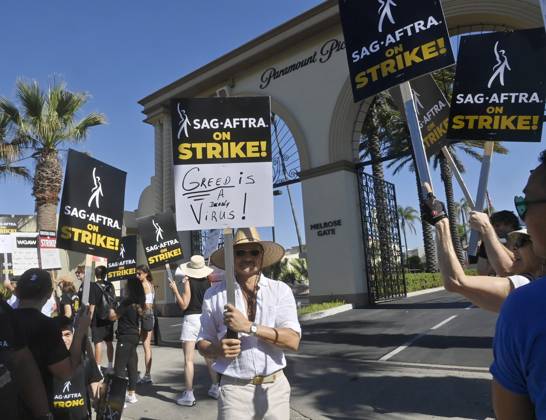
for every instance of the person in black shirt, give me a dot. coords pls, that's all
(18, 374)
(41, 333)
(70, 302)
(194, 283)
(128, 315)
(102, 329)
(72, 398)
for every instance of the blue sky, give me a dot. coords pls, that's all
(121, 51)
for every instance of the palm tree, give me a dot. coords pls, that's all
(392, 133)
(299, 268)
(406, 216)
(10, 152)
(43, 122)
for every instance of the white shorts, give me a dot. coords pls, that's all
(190, 327)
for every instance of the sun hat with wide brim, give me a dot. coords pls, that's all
(195, 268)
(273, 252)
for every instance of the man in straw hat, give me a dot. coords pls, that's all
(265, 318)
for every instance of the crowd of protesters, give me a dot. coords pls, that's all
(50, 370)
(55, 371)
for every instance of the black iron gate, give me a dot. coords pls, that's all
(381, 232)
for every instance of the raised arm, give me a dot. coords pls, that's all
(500, 257)
(183, 300)
(484, 291)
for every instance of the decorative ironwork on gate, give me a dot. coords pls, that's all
(381, 233)
(285, 156)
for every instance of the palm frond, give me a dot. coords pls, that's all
(32, 98)
(79, 131)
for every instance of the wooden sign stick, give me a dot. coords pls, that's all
(230, 273)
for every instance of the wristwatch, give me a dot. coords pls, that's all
(253, 330)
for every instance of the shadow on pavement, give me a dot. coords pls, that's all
(349, 391)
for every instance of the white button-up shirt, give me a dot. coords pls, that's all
(275, 308)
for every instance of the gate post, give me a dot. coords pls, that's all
(335, 253)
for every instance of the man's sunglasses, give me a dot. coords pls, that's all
(243, 252)
(522, 205)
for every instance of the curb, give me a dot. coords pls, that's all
(326, 312)
(425, 291)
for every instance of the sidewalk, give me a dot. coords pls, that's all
(157, 401)
(330, 388)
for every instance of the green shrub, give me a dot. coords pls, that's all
(421, 281)
(317, 307)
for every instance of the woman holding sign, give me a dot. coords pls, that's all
(487, 292)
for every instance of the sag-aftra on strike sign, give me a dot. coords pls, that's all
(91, 213)
(500, 87)
(222, 162)
(390, 42)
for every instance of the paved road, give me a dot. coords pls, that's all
(418, 358)
(438, 328)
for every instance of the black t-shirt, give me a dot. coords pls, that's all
(71, 299)
(95, 298)
(198, 287)
(128, 318)
(70, 399)
(9, 342)
(43, 338)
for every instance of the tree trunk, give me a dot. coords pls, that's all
(46, 189)
(431, 259)
(447, 179)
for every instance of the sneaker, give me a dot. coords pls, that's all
(146, 379)
(214, 391)
(131, 398)
(187, 399)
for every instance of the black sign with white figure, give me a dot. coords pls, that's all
(160, 239)
(221, 130)
(123, 266)
(222, 162)
(91, 213)
(432, 112)
(500, 87)
(390, 42)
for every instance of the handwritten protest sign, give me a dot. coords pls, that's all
(390, 42)
(222, 163)
(50, 258)
(123, 266)
(91, 212)
(25, 252)
(500, 87)
(160, 239)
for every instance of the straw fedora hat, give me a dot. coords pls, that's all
(273, 252)
(195, 268)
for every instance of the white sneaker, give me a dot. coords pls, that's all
(131, 398)
(187, 399)
(214, 391)
(146, 379)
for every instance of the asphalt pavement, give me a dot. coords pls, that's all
(421, 357)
